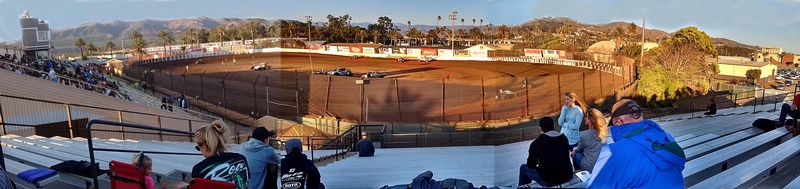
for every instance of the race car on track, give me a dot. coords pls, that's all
(373, 74)
(426, 59)
(199, 61)
(355, 57)
(401, 59)
(261, 66)
(340, 71)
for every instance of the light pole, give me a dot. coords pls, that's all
(308, 18)
(452, 31)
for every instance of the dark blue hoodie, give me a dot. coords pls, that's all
(643, 156)
(298, 172)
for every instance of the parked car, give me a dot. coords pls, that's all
(787, 82)
(261, 66)
(340, 71)
(401, 59)
(373, 74)
(780, 87)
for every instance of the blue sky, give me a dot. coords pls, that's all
(764, 22)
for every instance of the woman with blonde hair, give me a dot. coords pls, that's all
(571, 117)
(585, 155)
(219, 165)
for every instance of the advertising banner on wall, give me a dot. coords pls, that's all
(445, 53)
(480, 53)
(386, 50)
(333, 49)
(429, 52)
(533, 52)
(562, 54)
(398, 50)
(343, 49)
(355, 49)
(550, 53)
(414, 52)
(461, 53)
(368, 50)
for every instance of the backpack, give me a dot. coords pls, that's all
(765, 124)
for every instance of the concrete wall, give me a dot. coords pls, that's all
(740, 70)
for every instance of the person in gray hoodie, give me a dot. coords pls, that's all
(261, 159)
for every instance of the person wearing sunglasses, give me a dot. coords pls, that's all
(219, 165)
(642, 156)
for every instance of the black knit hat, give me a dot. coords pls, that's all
(261, 133)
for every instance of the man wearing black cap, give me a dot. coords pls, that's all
(297, 171)
(548, 158)
(261, 159)
(642, 156)
(364, 146)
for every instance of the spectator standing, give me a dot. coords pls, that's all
(261, 159)
(642, 156)
(298, 172)
(571, 117)
(585, 155)
(548, 158)
(364, 146)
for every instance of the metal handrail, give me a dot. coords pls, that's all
(89, 125)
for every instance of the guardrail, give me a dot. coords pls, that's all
(92, 149)
(727, 99)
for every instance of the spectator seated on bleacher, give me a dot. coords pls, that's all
(212, 142)
(261, 159)
(548, 158)
(145, 164)
(712, 108)
(297, 171)
(364, 146)
(790, 110)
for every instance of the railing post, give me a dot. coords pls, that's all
(735, 97)
(121, 128)
(763, 92)
(755, 103)
(691, 107)
(774, 105)
(69, 122)
(191, 139)
(160, 136)
(2, 129)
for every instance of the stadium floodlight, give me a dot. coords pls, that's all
(452, 31)
(308, 18)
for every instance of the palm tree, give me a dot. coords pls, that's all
(188, 37)
(473, 22)
(503, 31)
(490, 29)
(80, 44)
(632, 27)
(166, 40)
(138, 44)
(619, 35)
(110, 46)
(90, 48)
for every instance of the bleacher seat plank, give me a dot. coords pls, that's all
(751, 171)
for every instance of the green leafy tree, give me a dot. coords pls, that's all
(753, 74)
(188, 37)
(80, 44)
(692, 35)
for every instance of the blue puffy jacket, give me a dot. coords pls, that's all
(643, 156)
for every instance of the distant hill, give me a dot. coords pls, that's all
(732, 43)
(99, 33)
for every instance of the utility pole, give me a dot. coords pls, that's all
(453, 31)
(309, 43)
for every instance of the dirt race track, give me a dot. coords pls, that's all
(412, 92)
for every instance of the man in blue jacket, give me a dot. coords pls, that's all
(643, 155)
(261, 159)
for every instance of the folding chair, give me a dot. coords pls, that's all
(125, 176)
(200, 183)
